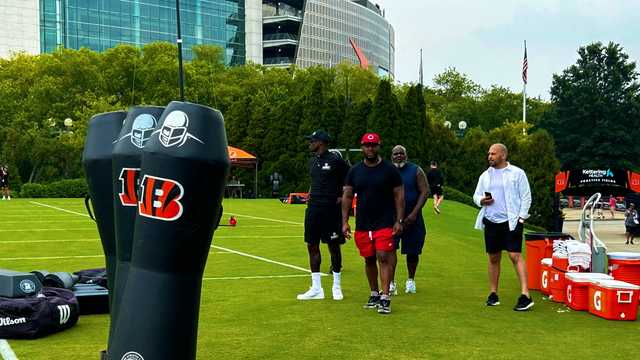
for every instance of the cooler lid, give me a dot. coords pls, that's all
(616, 284)
(624, 255)
(586, 277)
(546, 261)
(532, 236)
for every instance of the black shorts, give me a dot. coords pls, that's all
(323, 223)
(436, 190)
(3, 183)
(411, 241)
(498, 237)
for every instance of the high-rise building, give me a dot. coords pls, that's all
(270, 32)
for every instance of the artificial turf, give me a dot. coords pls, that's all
(249, 307)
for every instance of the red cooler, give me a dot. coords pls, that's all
(539, 246)
(545, 276)
(577, 296)
(613, 299)
(625, 266)
(557, 284)
(560, 263)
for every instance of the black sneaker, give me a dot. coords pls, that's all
(384, 307)
(493, 300)
(373, 302)
(524, 303)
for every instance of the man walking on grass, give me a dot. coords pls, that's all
(379, 217)
(4, 182)
(414, 232)
(323, 217)
(504, 196)
(436, 181)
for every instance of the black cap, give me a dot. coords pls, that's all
(319, 135)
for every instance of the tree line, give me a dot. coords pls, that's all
(267, 112)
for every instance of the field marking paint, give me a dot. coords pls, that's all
(261, 258)
(24, 230)
(263, 218)
(52, 257)
(57, 208)
(255, 277)
(6, 352)
(47, 241)
(40, 221)
(213, 246)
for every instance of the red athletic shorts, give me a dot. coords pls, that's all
(370, 241)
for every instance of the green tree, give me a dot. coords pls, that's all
(596, 118)
(385, 116)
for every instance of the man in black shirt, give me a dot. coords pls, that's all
(436, 180)
(4, 182)
(379, 216)
(322, 221)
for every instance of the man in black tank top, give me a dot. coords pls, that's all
(415, 196)
(323, 217)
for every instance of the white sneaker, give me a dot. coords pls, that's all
(312, 294)
(4, 198)
(410, 286)
(393, 289)
(337, 293)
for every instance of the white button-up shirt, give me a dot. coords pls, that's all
(517, 194)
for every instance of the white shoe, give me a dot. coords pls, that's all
(393, 289)
(312, 294)
(410, 286)
(4, 198)
(337, 293)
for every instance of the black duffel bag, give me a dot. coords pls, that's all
(51, 311)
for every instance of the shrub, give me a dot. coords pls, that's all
(73, 188)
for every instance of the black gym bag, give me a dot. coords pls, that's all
(51, 311)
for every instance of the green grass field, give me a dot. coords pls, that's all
(249, 307)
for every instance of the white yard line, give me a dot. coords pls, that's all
(25, 230)
(57, 208)
(255, 277)
(263, 218)
(47, 241)
(6, 352)
(52, 257)
(213, 246)
(261, 258)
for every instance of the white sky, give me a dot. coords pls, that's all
(484, 38)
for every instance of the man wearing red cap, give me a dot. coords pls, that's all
(380, 210)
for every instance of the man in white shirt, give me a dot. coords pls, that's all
(504, 196)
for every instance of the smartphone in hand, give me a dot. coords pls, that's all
(487, 195)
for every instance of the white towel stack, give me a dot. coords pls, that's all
(560, 249)
(579, 254)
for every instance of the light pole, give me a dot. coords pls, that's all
(179, 41)
(462, 126)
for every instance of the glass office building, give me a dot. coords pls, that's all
(282, 33)
(102, 24)
(321, 32)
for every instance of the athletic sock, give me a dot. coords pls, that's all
(315, 280)
(384, 297)
(336, 279)
(375, 293)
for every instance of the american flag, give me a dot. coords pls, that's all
(525, 64)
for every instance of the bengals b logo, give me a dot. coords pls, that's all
(129, 178)
(159, 198)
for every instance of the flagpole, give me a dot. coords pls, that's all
(524, 91)
(421, 74)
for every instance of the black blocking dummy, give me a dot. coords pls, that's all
(183, 171)
(136, 131)
(102, 132)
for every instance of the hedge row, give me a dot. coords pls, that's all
(74, 188)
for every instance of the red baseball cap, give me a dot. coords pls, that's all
(370, 138)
